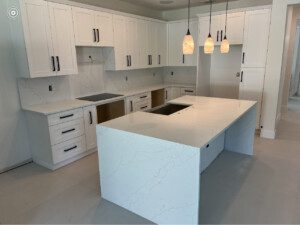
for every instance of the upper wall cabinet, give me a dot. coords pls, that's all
(92, 28)
(235, 28)
(49, 38)
(176, 33)
(256, 38)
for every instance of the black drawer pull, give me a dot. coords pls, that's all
(91, 118)
(68, 131)
(145, 107)
(70, 149)
(95, 36)
(67, 116)
(53, 63)
(145, 96)
(189, 91)
(58, 63)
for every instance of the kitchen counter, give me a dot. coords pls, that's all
(60, 106)
(151, 164)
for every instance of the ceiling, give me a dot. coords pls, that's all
(170, 4)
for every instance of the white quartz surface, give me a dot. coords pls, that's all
(194, 126)
(60, 106)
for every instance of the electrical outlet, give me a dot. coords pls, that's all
(50, 88)
(172, 73)
(126, 78)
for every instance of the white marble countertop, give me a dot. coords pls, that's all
(194, 126)
(60, 106)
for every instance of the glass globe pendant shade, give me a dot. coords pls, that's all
(225, 46)
(188, 45)
(209, 45)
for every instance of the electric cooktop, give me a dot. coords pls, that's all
(99, 97)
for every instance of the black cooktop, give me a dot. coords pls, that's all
(99, 97)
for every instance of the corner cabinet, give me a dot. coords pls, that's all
(176, 33)
(48, 37)
(92, 28)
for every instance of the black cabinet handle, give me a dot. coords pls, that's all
(127, 58)
(183, 59)
(151, 59)
(91, 117)
(218, 36)
(243, 60)
(53, 63)
(68, 131)
(145, 96)
(58, 63)
(166, 95)
(159, 59)
(66, 116)
(70, 149)
(98, 35)
(130, 64)
(221, 35)
(131, 106)
(242, 76)
(95, 36)
(145, 107)
(188, 91)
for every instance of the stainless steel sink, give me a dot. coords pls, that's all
(168, 109)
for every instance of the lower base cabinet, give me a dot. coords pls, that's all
(140, 102)
(59, 139)
(176, 92)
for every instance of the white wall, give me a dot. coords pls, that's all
(181, 75)
(91, 79)
(14, 146)
(179, 14)
(274, 66)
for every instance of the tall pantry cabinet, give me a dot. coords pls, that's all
(254, 56)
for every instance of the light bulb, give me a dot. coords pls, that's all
(225, 46)
(209, 45)
(188, 45)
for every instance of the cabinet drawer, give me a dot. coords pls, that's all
(65, 116)
(142, 106)
(66, 131)
(140, 97)
(188, 91)
(68, 149)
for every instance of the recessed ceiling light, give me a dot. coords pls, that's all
(166, 2)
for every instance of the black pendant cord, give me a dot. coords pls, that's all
(226, 20)
(189, 14)
(209, 35)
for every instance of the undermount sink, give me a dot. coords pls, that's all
(168, 109)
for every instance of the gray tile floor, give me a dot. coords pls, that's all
(235, 188)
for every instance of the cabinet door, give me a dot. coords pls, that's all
(131, 41)
(90, 122)
(217, 28)
(36, 25)
(162, 45)
(251, 87)
(176, 32)
(83, 27)
(152, 44)
(103, 22)
(235, 28)
(63, 38)
(142, 32)
(256, 37)
(121, 56)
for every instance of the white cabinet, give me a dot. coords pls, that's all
(235, 28)
(172, 93)
(256, 37)
(176, 33)
(251, 87)
(90, 122)
(63, 38)
(92, 28)
(49, 38)
(142, 43)
(162, 44)
(125, 54)
(140, 102)
(37, 34)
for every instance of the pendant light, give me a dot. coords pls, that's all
(209, 45)
(188, 45)
(225, 44)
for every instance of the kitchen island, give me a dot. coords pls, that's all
(151, 163)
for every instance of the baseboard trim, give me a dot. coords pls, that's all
(16, 166)
(269, 134)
